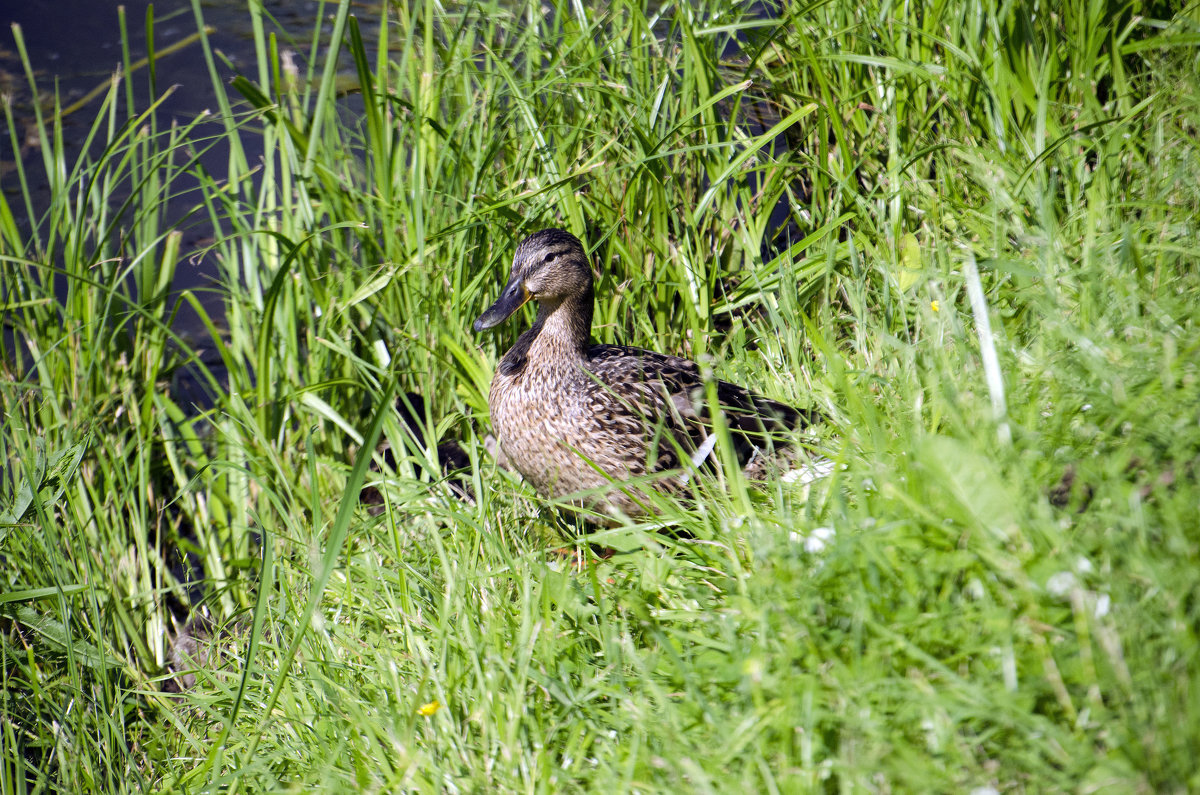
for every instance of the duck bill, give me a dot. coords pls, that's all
(513, 298)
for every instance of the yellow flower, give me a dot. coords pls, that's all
(430, 708)
(933, 305)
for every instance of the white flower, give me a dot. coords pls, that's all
(1060, 584)
(818, 539)
(809, 473)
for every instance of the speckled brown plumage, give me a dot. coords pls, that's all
(575, 417)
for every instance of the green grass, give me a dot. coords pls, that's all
(948, 611)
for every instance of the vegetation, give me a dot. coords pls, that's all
(967, 234)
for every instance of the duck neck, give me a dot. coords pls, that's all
(562, 329)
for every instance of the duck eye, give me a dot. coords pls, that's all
(550, 258)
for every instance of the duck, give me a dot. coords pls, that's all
(594, 427)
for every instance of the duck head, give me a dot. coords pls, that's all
(549, 267)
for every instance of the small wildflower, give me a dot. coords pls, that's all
(934, 305)
(809, 473)
(1060, 584)
(430, 708)
(818, 539)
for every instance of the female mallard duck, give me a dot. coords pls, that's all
(575, 417)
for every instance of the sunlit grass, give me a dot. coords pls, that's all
(994, 588)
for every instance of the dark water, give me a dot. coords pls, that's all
(76, 45)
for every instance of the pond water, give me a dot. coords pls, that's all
(75, 46)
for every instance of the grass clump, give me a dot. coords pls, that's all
(969, 237)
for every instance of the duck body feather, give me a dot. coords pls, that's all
(609, 420)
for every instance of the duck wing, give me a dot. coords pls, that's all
(651, 394)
